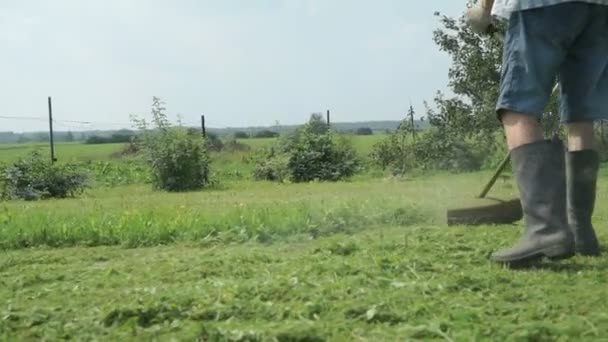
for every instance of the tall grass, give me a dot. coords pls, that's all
(137, 217)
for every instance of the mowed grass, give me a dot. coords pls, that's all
(382, 284)
(365, 260)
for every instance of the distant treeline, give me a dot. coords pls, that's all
(110, 136)
(113, 139)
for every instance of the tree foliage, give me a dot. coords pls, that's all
(266, 133)
(474, 79)
(364, 131)
(241, 135)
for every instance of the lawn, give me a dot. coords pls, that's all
(369, 259)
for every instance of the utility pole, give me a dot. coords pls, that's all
(203, 126)
(328, 121)
(411, 113)
(52, 143)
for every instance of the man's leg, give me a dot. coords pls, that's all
(521, 129)
(581, 136)
(582, 169)
(584, 99)
(532, 59)
(539, 168)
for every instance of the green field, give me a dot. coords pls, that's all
(63, 151)
(83, 152)
(369, 259)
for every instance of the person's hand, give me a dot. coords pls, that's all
(479, 18)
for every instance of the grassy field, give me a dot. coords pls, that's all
(63, 151)
(83, 152)
(366, 260)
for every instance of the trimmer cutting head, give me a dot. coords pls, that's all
(486, 211)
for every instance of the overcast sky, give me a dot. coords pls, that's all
(239, 62)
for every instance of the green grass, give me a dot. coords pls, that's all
(366, 260)
(63, 151)
(83, 152)
(381, 284)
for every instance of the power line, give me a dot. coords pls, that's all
(63, 121)
(59, 121)
(22, 118)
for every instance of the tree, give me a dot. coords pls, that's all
(364, 131)
(474, 78)
(266, 134)
(241, 135)
(69, 137)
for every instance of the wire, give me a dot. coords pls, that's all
(64, 121)
(22, 118)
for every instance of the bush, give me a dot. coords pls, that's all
(36, 178)
(438, 150)
(272, 165)
(364, 131)
(433, 150)
(130, 149)
(178, 159)
(321, 157)
(213, 142)
(394, 153)
(308, 155)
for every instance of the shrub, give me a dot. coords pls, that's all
(213, 142)
(36, 178)
(433, 150)
(394, 153)
(272, 165)
(438, 150)
(317, 124)
(308, 155)
(323, 157)
(178, 159)
(130, 149)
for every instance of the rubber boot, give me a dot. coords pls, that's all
(582, 169)
(541, 178)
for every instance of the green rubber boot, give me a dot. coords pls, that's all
(582, 169)
(541, 178)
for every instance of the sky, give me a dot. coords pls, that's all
(239, 62)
